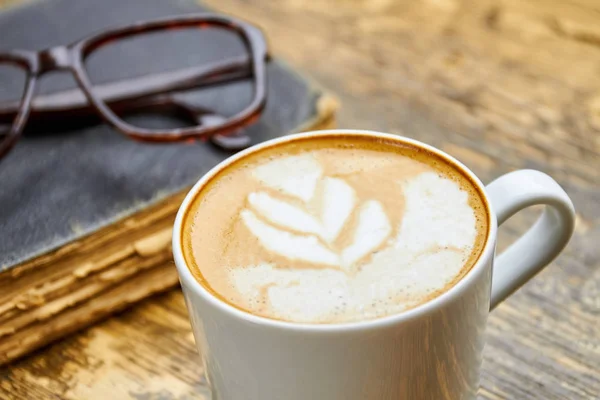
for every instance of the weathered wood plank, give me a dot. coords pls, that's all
(501, 85)
(134, 355)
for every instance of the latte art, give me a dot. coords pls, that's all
(297, 234)
(328, 233)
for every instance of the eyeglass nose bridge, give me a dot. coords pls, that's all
(54, 59)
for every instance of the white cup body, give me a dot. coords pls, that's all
(433, 355)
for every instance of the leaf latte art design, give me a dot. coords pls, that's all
(328, 234)
(292, 231)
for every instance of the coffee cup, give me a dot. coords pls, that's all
(422, 333)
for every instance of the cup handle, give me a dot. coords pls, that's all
(534, 250)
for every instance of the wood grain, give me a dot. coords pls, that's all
(501, 85)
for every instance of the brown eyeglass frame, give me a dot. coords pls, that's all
(133, 93)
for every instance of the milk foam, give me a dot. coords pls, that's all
(330, 251)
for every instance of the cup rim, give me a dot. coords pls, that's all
(189, 282)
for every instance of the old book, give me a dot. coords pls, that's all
(86, 214)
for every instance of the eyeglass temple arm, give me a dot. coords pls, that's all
(125, 92)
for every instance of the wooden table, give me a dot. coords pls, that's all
(501, 85)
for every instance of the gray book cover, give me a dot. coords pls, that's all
(58, 186)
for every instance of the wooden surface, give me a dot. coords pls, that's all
(501, 85)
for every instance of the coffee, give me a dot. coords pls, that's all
(334, 228)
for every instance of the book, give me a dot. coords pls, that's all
(86, 214)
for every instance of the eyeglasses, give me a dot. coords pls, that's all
(181, 56)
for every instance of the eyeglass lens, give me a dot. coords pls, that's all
(144, 58)
(13, 79)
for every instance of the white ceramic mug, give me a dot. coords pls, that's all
(432, 351)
